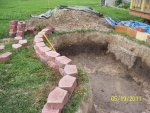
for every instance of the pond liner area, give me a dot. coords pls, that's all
(109, 77)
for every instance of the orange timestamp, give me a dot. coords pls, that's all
(126, 98)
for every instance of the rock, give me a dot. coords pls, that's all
(57, 98)
(16, 46)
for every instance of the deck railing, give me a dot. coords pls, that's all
(141, 5)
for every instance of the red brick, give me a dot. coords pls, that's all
(140, 29)
(40, 33)
(40, 44)
(37, 54)
(13, 27)
(2, 47)
(23, 42)
(61, 71)
(18, 38)
(42, 58)
(121, 29)
(22, 23)
(20, 33)
(53, 65)
(5, 57)
(51, 29)
(14, 22)
(39, 36)
(12, 34)
(30, 30)
(16, 46)
(37, 47)
(52, 55)
(68, 83)
(44, 49)
(36, 40)
(62, 61)
(19, 28)
(13, 30)
(47, 31)
(57, 98)
(47, 109)
(71, 70)
(131, 32)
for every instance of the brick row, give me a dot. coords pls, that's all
(60, 95)
(137, 33)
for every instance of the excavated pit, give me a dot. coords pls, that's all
(127, 76)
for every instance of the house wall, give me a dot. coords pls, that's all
(112, 2)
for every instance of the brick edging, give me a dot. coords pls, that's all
(57, 98)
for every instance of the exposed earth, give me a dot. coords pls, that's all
(108, 76)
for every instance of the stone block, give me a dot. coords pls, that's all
(43, 50)
(61, 71)
(23, 42)
(53, 65)
(14, 22)
(5, 56)
(62, 61)
(18, 38)
(36, 40)
(40, 44)
(57, 98)
(47, 109)
(71, 70)
(52, 55)
(68, 83)
(16, 46)
(20, 33)
(42, 58)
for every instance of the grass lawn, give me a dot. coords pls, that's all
(22, 9)
(24, 81)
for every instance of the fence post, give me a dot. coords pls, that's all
(143, 5)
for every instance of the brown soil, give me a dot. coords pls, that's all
(63, 20)
(108, 77)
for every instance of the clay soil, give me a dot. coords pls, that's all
(108, 78)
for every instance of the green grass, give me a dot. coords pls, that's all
(22, 9)
(25, 83)
(80, 94)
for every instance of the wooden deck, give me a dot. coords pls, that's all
(142, 14)
(140, 8)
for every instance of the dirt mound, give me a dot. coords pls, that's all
(66, 20)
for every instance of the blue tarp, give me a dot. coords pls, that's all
(130, 23)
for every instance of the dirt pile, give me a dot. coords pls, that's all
(66, 20)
